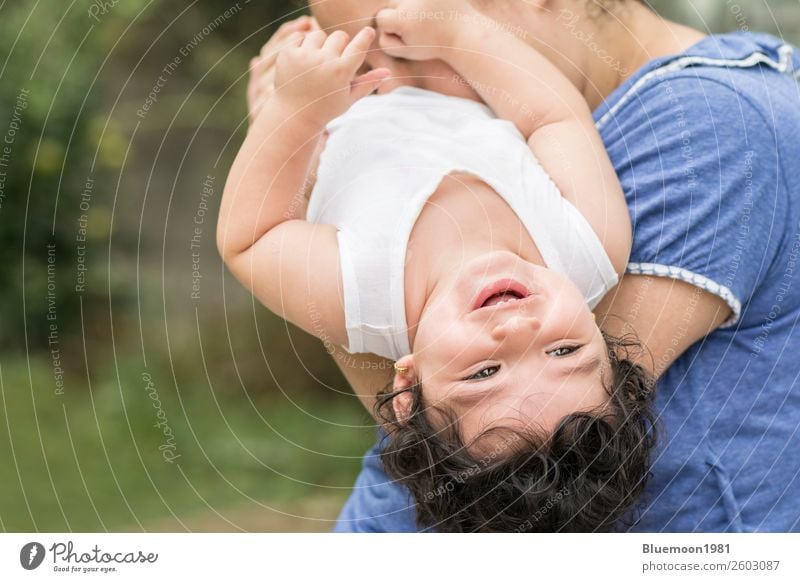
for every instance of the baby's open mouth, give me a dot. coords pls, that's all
(504, 291)
(499, 298)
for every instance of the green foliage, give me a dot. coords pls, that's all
(250, 402)
(48, 162)
(68, 66)
(95, 461)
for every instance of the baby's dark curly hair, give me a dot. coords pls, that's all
(583, 477)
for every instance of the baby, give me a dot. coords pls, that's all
(467, 243)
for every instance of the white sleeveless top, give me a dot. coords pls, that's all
(386, 156)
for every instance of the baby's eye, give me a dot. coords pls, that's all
(564, 351)
(485, 373)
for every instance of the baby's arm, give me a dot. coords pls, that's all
(289, 264)
(522, 86)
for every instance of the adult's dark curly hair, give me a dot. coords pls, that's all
(583, 477)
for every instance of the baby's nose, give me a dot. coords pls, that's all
(517, 327)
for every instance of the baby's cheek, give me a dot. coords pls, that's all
(441, 78)
(431, 75)
(437, 353)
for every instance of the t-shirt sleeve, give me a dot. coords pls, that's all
(377, 504)
(701, 175)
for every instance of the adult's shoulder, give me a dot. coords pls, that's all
(703, 148)
(729, 98)
(731, 77)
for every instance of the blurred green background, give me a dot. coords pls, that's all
(140, 386)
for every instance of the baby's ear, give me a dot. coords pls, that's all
(402, 407)
(404, 378)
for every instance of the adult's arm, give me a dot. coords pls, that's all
(705, 181)
(666, 315)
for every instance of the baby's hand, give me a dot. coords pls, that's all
(317, 78)
(261, 86)
(422, 30)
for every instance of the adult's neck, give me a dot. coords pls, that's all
(630, 36)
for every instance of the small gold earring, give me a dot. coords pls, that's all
(400, 369)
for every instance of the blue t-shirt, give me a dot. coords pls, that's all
(707, 147)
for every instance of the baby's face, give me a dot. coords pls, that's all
(353, 15)
(525, 358)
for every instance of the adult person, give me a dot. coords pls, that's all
(701, 130)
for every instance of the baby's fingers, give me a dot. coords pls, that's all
(295, 40)
(260, 66)
(315, 40)
(369, 82)
(355, 53)
(274, 44)
(302, 24)
(337, 42)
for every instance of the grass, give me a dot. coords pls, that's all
(89, 460)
